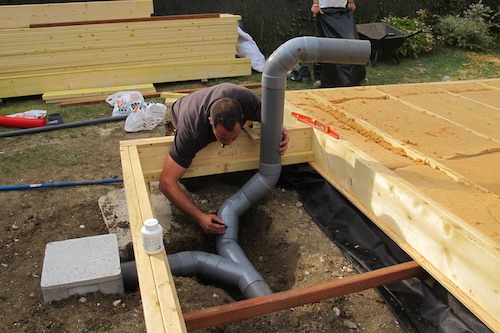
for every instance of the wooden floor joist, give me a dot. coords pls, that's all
(287, 299)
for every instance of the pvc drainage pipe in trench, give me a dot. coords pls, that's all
(232, 265)
(274, 78)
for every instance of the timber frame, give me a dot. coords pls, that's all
(346, 168)
(142, 163)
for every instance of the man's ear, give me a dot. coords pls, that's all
(210, 120)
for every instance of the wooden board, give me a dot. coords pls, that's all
(423, 162)
(22, 16)
(162, 312)
(93, 93)
(250, 308)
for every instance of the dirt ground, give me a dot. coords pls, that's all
(280, 238)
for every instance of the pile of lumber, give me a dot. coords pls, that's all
(94, 95)
(123, 45)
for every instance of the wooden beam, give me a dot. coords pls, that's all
(128, 74)
(22, 16)
(287, 299)
(243, 154)
(463, 261)
(129, 20)
(162, 312)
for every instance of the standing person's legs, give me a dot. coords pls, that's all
(317, 65)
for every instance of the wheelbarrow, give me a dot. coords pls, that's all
(384, 39)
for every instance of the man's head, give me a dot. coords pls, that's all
(226, 118)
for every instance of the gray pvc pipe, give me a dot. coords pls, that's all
(208, 265)
(217, 268)
(232, 265)
(59, 126)
(274, 79)
(310, 49)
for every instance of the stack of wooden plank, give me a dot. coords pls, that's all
(93, 94)
(130, 50)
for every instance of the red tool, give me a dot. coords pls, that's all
(316, 124)
(20, 122)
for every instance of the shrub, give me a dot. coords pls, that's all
(471, 31)
(421, 42)
(464, 33)
(482, 13)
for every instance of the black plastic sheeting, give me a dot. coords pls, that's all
(420, 304)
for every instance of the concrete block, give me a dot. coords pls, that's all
(80, 266)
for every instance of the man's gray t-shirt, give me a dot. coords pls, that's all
(190, 117)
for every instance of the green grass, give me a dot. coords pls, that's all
(434, 66)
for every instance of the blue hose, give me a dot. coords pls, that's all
(60, 184)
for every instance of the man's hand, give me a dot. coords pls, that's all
(284, 142)
(316, 9)
(169, 186)
(212, 224)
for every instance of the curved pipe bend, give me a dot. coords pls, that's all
(274, 78)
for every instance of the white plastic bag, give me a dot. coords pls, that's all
(145, 117)
(247, 48)
(32, 114)
(124, 102)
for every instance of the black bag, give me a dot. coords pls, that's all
(338, 23)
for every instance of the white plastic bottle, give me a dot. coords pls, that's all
(152, 236)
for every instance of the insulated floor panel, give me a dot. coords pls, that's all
(423, 162)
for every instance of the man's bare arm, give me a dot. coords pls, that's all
(169, 186)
